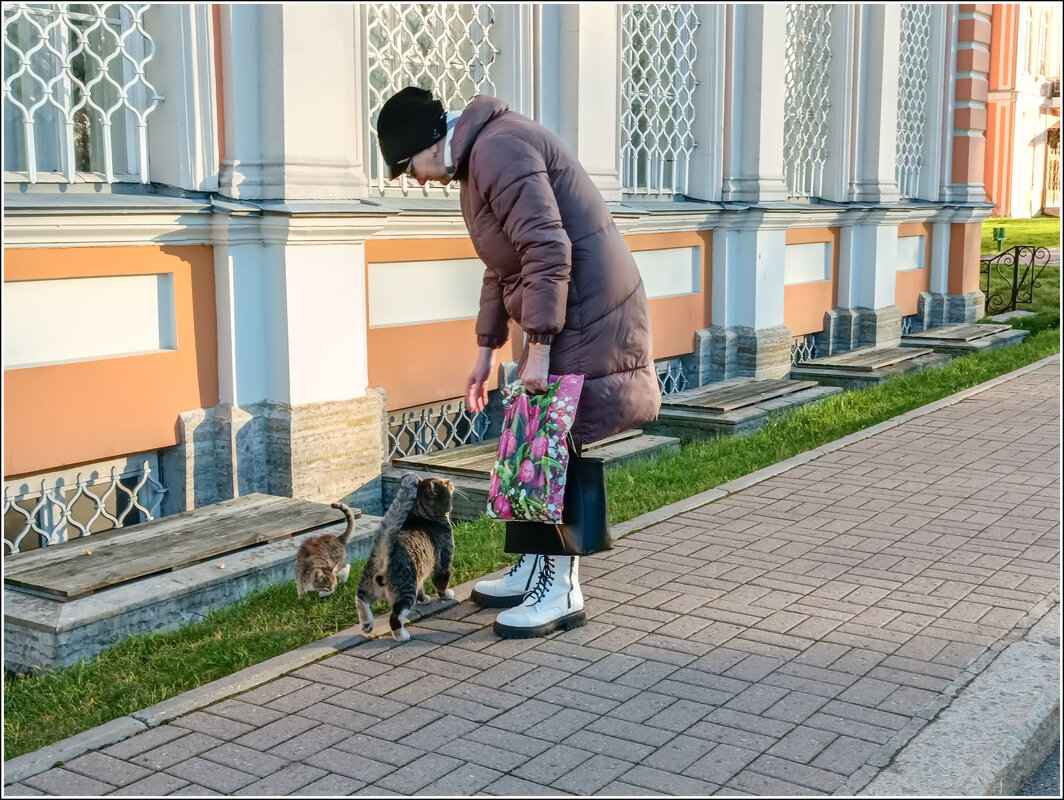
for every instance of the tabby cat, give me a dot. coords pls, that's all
(321, 561)
(401, 561)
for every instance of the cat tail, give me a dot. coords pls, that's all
(345, 537)
(402, 504)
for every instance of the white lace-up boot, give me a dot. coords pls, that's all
(509, 590)
(555, 602)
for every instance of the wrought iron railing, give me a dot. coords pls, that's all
(1009, 279)
(76, 97)
(60, 510)
(803, 348)
(428, 429)
(671, 377)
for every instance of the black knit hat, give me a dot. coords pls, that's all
(409, 122)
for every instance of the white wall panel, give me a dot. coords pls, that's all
(82, 319)
(911, 252)
(414, 292)
(807, 263)
(671, 272)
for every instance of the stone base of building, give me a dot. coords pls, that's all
(738, 352)
(849, 328)
(937, 309)
(322, 452)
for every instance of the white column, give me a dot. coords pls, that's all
(940, 258)
(868, 265)
(589, 84)
(841, 98)
(704, 180)
(877, 104)
(293, 97)
(748, 278)
(754, 104)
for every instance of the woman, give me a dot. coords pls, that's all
(557, 265)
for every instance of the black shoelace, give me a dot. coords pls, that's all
(546, 578)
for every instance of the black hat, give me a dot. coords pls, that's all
(409, 122)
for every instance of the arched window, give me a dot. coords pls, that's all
(1023, 47)
(1043, 35)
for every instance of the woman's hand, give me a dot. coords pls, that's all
(477, 382)
(537, 365)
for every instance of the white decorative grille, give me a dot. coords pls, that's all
(803, 348)
(442, 47)
(60, 510)
(912, 94)
(672, 379)
(805, 121)
(658, 84)
(440, 427)
(76, 97)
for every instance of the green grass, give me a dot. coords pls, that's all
(143, 670)
(1035, 232)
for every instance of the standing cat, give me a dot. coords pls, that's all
(321, 561)
(400, 562)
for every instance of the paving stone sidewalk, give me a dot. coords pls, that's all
(786, 639)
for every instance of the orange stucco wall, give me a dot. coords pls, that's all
(909, 284)
(965, 243)
(68, 414)
(425, 363)
(805, 304)
(1000, 111)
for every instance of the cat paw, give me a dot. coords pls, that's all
(367, 628)
(324, 594)
(449, 594)
(400, 634)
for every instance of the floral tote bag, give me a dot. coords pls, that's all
(528, 480)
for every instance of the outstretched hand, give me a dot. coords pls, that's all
(477, 382)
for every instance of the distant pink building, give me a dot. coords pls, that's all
(1022, 168)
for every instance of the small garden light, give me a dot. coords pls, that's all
(999, 237)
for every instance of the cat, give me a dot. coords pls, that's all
(321, 561)
(400, 561)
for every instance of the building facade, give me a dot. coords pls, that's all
(1023, 110)
(211, 289)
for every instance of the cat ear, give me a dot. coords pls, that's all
(379, 579)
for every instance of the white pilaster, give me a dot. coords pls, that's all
(940, 258)
(706, 163)
(283, 141)
(754, 104)
(748, 278)
(589, 83)
(868, 265)
(877, 104)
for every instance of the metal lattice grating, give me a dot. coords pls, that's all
(61, 510)
(803, 348)
(912, 94)
(441, 47)
(76, 97)
(657, 90)
(671, 378)
(440, 427)
(806, 79)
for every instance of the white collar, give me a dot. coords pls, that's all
(452, 118)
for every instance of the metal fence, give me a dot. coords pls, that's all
(806, 78)
(914, 53)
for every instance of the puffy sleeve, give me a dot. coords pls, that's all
(521, 198)
(492, 330)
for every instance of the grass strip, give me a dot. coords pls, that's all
(1031, 232)
(143, 670)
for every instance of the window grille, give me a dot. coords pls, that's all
(417, 431)
(441, 47)
(62, 509)
(672, 378)
(805, 121)
(803, 348)
(912, 95)
(658, 84)
(1052, 181)
(76, 97)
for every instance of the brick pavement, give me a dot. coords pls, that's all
(786, 639)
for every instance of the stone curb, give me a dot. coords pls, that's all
(109, 733)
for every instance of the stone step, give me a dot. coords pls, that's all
(469, 467)
(732, 406)
(963, 339)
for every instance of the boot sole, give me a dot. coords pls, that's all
(568, 622)
(497, 601)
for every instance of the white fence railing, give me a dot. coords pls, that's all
(76, 97)
(58, 508)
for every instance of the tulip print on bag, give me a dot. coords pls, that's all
(528, 480)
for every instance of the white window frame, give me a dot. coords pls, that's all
(1023, 49)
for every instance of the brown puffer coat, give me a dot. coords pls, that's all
(556, 264)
